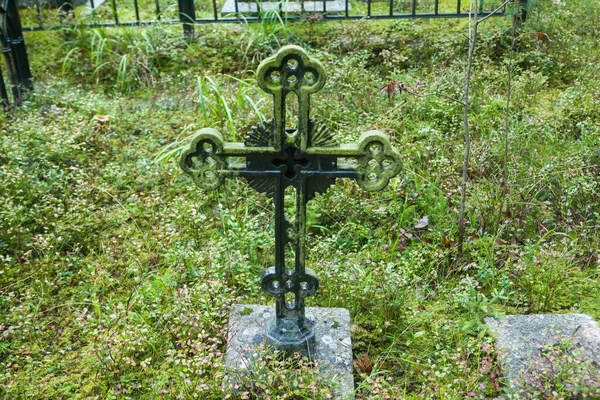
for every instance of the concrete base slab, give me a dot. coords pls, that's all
(246, 336)
(332, 6)
(520, 338)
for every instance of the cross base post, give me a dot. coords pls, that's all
(289, 336)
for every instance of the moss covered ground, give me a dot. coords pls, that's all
(117, 273)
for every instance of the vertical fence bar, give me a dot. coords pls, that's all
(114, 11)
(187, 16)
(414, 7)
(437, 7)
(391, 8)
(157, 9)
(368, 8)
(137, 11)
(15, 53)
(345, 5)
(3, 92)
(215, 10)
(324, 6)
(22, 64)
(93, 8)
(12, 69)
(237, 7)
(458, 7)
(38, 13)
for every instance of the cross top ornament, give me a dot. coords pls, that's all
(306, 158)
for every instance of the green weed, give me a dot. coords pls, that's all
(117, 273)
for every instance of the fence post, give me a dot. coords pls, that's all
(3, 93)
(13, 48)
(187, 15)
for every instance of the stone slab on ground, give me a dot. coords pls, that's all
(333, 6)
(333, 345)
(519, 339)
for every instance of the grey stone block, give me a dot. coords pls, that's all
(519, 339)
(333, 345)
(332, 6)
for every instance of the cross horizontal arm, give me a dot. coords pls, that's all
(359, 149)
(207, 159)
(343, 150)
(375, 160)
(233, 149)
(340, 173)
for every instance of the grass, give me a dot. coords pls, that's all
(117, 274)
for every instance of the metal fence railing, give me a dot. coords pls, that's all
(37, 15)
(12, 46)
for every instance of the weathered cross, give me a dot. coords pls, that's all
(306, 158)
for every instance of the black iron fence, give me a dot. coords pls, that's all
(15, 56)
(36, 15)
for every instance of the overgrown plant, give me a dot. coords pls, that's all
(272, 24)
(116, 276)
(474, 23)
(560, 370)
(216, 110)
(125, 58)
(271, 375)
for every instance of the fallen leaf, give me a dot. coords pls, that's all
(364, 364)
(446, 242)
(390, 88)
(423, 222)
(543, 36)
(101, 118)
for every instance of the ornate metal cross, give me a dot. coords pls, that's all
(306, 158)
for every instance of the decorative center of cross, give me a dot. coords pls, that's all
(306, 158)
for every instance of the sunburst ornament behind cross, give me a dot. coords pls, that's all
(306, 158)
